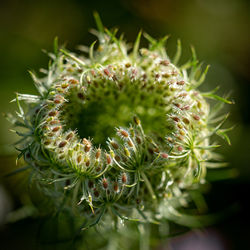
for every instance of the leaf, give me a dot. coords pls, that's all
(27, 98)
(136, 45)
(155, 44)
(211, 95)
(91, 51)
(216, 164)
(202, 78)
(208, 147)
(14, 121)
(96, 221)
(77, 60)
(223, 135)
(112, 37)
(216, 97)
(16, 171)
(194, 63)
(178, 53)
(123, 217)
(21, 114)
(98, 22)
(38, 84)
(56, 46)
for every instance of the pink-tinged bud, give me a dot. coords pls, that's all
(54, 122)
(62, 144)
(87, 163)
(108, 158)
(53, 113)
(185, 120)
(98, 154)
(117, 158)
(106, 72)
(92, 72)
(138, 139)
(64, 85)
(186, 107)
(116, 187)
(73, 81)
(105, 183)
(134, 73)
(180, 148)
(124, 178)
(130, 143)
(58, 99)
(124, 133)
(184, 94)
(79, 158)
(166, 74)
(87, 148)
(157, 75)
(69, 136)
(164, 155)
(176, 119)
(164, 62)
(87, 145)
(114, 145)
(196, 117)
(180, 83)
(128, 65)
(170, 139)
(55, 129)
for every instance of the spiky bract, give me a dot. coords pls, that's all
(122, 131)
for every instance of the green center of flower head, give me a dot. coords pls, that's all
(107, 105)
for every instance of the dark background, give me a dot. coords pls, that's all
(218, 29)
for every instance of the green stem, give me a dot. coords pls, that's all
(148, 184)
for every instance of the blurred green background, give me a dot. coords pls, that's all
(218, 29)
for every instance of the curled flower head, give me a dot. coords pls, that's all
(123, 131)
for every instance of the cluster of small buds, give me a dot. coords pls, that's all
(159, 148)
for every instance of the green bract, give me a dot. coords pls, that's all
(122, 131)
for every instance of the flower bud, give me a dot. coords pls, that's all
(105, 183)
(62, 144)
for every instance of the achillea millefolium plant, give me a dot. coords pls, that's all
(122, 134)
